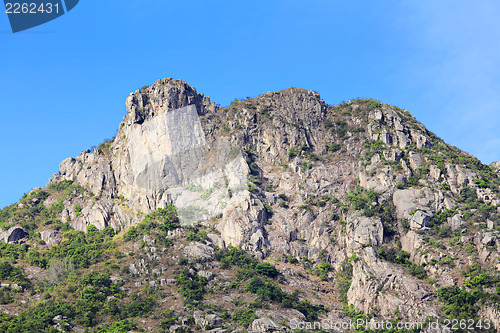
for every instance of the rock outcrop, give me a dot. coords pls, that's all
(13, 235)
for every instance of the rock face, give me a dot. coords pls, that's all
(13, 235)
(199, 250)
(496, 166)
(51, 237)
(372, 276)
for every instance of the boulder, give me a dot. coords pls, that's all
(209, 319)
(263, 325)
(420, 220)
(416, 160)
(51, 237)
(455, 221)
(199, 250)
(489, 239)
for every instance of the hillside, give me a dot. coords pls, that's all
(254, 217)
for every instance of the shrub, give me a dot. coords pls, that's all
(322, 271)
(77, 210)
(459, 303)
(192, 286)
(266, 269)
(243, 317)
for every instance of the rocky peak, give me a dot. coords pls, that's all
(163, 96)
(296, 105)
(496, 166)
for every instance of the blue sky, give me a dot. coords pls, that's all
(63, 85)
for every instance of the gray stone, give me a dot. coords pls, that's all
(199, 250)
(489, 239)
(455, 221)
(13, 235)
(207, 275)
(263, 325)
(420, 220)
(51, 237)
(416, 160)
(490, 224)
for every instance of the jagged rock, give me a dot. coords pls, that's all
(216, 240)
(496, 166)
(408, 200)
(372, 281)
(411, 242)
(455, 221)
(491, 312)
(199, 250)
(148, 240)
(243, 220)
(366, 231)
(175, 328)
(434, 172)
(13, 235)
(489, 239)
(139, 266)
(174, 147)
(206, 274)
(416, 160)
(420, 220)
(96, 215)
(51, 237)
(59, 318)
(263, 325)
(490, 224)
(209, 319)
(393, 154)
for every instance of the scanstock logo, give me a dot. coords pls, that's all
(27, 14)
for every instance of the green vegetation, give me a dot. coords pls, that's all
(322, 271)
(372, 148)
(163, 219)
(243, 317)
(30, 213)
(334, 147)
(401, 257)
(105, 146)
(192, 286)
(344, 279)
(268, 291)
(368, 203)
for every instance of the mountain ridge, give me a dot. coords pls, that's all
(359, 194)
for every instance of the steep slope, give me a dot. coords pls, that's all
(358, 206)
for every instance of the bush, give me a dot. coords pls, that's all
(266, 269)
(459, 303)
(344, 279)
(192, 286)
(444, 232)
(334, 147)
(322, 271)
(243, 317)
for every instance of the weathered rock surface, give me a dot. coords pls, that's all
(51, 237)
(199, 250)
(13, 235)
(263, 325)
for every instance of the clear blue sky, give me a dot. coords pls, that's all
(63, 85)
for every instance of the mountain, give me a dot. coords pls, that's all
(261, 216)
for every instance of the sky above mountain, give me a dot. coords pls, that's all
(63, 85)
